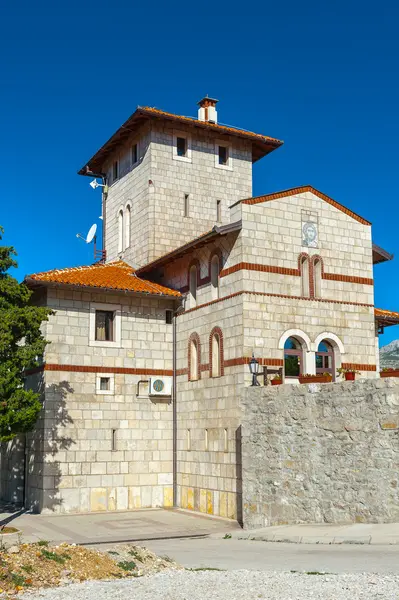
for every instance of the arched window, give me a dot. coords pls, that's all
(194, 357)
(325, 362)
(304, 268)
(127, 226)
(293, 358)
(216, 359)
(120, 231)
(317, 273)
(215, 266)
(193, 285)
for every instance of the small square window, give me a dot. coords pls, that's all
(135, 154)
(181, 146)
(169, 317)
(115, 171)
(223, 155)
(105, 384)
(104, 328)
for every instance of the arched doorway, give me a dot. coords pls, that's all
(293, 357)
(325, 359)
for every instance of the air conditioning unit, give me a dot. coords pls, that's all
(160, 386)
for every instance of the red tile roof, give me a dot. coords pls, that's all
(262, 144)
(386, 315)
(116, 275)
(300, 190)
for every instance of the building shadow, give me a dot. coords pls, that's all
(47, 448)
(239, 475)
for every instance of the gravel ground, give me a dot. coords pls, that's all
(231, 585)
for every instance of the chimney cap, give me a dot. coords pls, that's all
(206, 99)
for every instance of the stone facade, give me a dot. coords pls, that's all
(320, 453)
(245, 281)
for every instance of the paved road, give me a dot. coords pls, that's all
(241, 554)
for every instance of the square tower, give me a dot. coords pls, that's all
(171, 178)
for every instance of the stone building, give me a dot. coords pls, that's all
(150, 346)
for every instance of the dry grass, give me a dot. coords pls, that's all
(30, 566)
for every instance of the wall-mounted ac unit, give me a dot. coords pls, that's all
(160, 386)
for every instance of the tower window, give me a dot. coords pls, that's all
(135, 154)
(223, 155)
(218, 210)
(186, 205)
(169, 317)
(115, 171)
(181, 146)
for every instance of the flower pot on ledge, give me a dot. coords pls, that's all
(351, 376)
(276, 381)
(315, 379)
(390, 373)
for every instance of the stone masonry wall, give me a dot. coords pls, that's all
(321, 453)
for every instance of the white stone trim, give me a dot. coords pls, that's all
(298, 333)
(116, 343)
(225, 144)
(183, 134)
(109, 392)
(330, 337)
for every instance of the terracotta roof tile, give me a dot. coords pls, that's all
(386, 314)
(116, 275)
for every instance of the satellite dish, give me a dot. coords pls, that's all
(91, 234)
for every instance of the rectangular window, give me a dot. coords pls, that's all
(104, 327)
(223, 155)
(186, 205)
(169, 317)
(135, 154)
(181, 146)
(226, 441)
(188, 440)
(206, 440)
(113, 440)
(218, 210)
(115, 171)
(105, 384)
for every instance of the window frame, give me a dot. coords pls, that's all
(111, 378)
(181, 134)
(294, 352)
(134, 162)
(115, 177)
(225, 144)
(116, 309)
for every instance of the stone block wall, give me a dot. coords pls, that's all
(321, 453)
(93, 451)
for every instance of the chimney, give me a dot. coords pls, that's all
(207, 110)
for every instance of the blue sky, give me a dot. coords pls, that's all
(321, 76)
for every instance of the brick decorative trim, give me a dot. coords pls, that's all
(359, 367)
(244, 360)
(301, 190)
(229, 296)
(295, 272)
(348, 278)
(216, 331)
(95, 369)
(181, 372)
(260, 268)
(194, 339)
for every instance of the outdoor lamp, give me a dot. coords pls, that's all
(254, 369)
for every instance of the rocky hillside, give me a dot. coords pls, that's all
(389, 355)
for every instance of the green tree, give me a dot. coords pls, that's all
(21, 347)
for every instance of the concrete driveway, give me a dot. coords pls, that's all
(109, 528)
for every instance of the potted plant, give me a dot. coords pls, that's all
(349, 374)
(317, 378)
(276, 380)
(389, 372)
